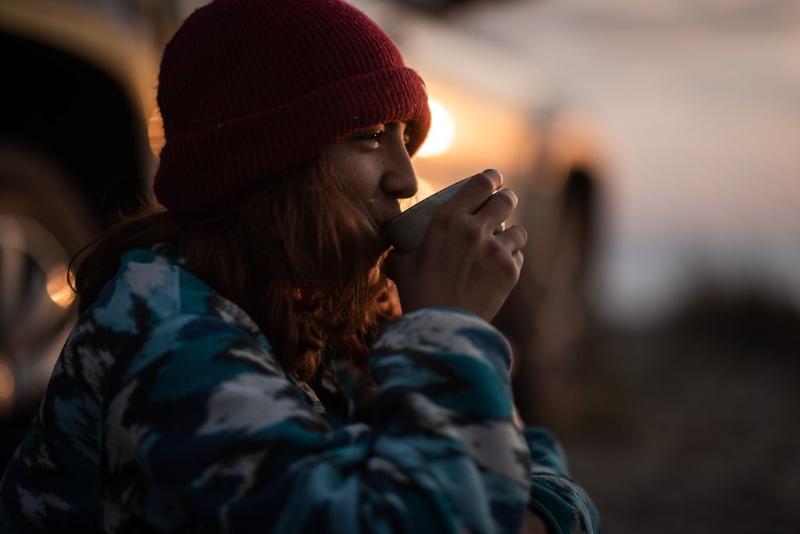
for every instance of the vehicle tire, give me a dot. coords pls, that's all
(43, 223)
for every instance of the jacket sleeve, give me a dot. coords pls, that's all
(559, 501)
(206, 431)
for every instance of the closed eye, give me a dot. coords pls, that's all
(370, 136)
(376, 136)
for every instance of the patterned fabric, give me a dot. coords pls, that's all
(168, 412)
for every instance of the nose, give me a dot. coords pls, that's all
(399, 178)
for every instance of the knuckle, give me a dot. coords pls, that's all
(495, 176)
(508, 268)
(507, 197)
(483, 181)
(445, 218)
(496, 249)
(472, 230)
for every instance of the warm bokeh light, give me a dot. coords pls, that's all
(57, 287)
(442, 131)
(7, 386)
(155, 132)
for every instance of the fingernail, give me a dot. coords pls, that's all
(496, 176)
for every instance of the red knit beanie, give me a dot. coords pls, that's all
(249, 88)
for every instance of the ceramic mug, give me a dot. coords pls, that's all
(406, 231)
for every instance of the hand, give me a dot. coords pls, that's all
(461, 262)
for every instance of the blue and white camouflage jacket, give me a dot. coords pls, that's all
(169, 412)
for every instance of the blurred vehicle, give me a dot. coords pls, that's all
(78, 89)
(80, 131)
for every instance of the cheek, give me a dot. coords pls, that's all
(358, 170)
(362, 179)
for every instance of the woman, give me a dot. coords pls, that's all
(234, 367)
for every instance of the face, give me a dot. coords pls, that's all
(375, 165)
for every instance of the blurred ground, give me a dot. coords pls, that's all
(690, 426)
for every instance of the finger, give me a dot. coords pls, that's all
(498, 208)
(513, 239)
(476, 191)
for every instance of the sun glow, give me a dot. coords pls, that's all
(7, 386)
(440, 136)
(58, 288)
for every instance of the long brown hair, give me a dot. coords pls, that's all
(294, 254)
